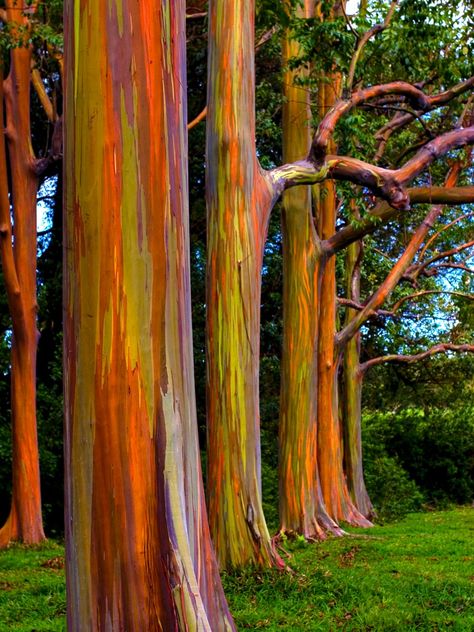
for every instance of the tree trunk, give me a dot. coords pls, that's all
(239, 199)
(302, 509)
(18, 246)
(137, 542)
(352, 392)
(330, 451)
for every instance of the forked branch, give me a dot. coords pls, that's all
(388, 184)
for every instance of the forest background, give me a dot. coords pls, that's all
(418, 418)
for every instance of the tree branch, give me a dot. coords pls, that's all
(55, 152)
(193, 16)
(375, 30)
(202, 115)
(410, 359)
(383, 212)
(346, 302)
(7, 255)
(386, 183)
(439, 232)
(38, 85)
(414, 271)
(411, 297)
(327, 126)
(399, 269)
(435, 101)
(456, 266)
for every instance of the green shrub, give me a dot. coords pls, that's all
(414, 450)
(392, 492)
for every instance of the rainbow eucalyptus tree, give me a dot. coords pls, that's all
(20, 171)
(302, 508)
(240, 195)
(350, 505)
(239, 198)
(138, 550)
(360, 312)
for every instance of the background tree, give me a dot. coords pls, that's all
(303, 512)
(240, 196)
(20, 173)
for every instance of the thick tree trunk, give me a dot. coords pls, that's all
(137, 542)
(239, 201)
(302, 509)
(18, 246)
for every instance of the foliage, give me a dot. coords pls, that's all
(413, 453)
(390, 489)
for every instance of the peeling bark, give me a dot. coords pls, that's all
(138, 550)
(239, 199)
(18, 253)
(302, 509)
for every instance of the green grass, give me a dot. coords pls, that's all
(32, 590)
(417, 574)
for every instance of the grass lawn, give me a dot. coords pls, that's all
(417, 574)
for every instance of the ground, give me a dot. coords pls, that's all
(417, 574)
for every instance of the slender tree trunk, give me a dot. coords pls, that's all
(18, 246)
(352, 392)
(330, 451)
(302, 509)
(239, 198)
(137, 542)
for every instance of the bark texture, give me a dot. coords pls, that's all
(302, 509)
(138, 548)
(330, 449)
(239, 200)
(351, 407)
(18, 255)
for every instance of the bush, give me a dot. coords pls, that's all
(412, 451)
(390, 489)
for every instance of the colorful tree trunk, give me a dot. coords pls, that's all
(18, 253)
(330, 450)
(351, 392)
(349, 344)
(239, 202)
(302, 509)
(240, 196)
(138, 548)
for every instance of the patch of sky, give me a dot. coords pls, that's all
(44, 212)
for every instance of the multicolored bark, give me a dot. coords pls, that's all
(302, 509)
(18, 254)
(349, 344)
(240, 196)
(351, 391)
(138, 549)
(239, 199)
(330, 449)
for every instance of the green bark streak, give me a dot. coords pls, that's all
(302, 510)
(239, 202)
(139, 555)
